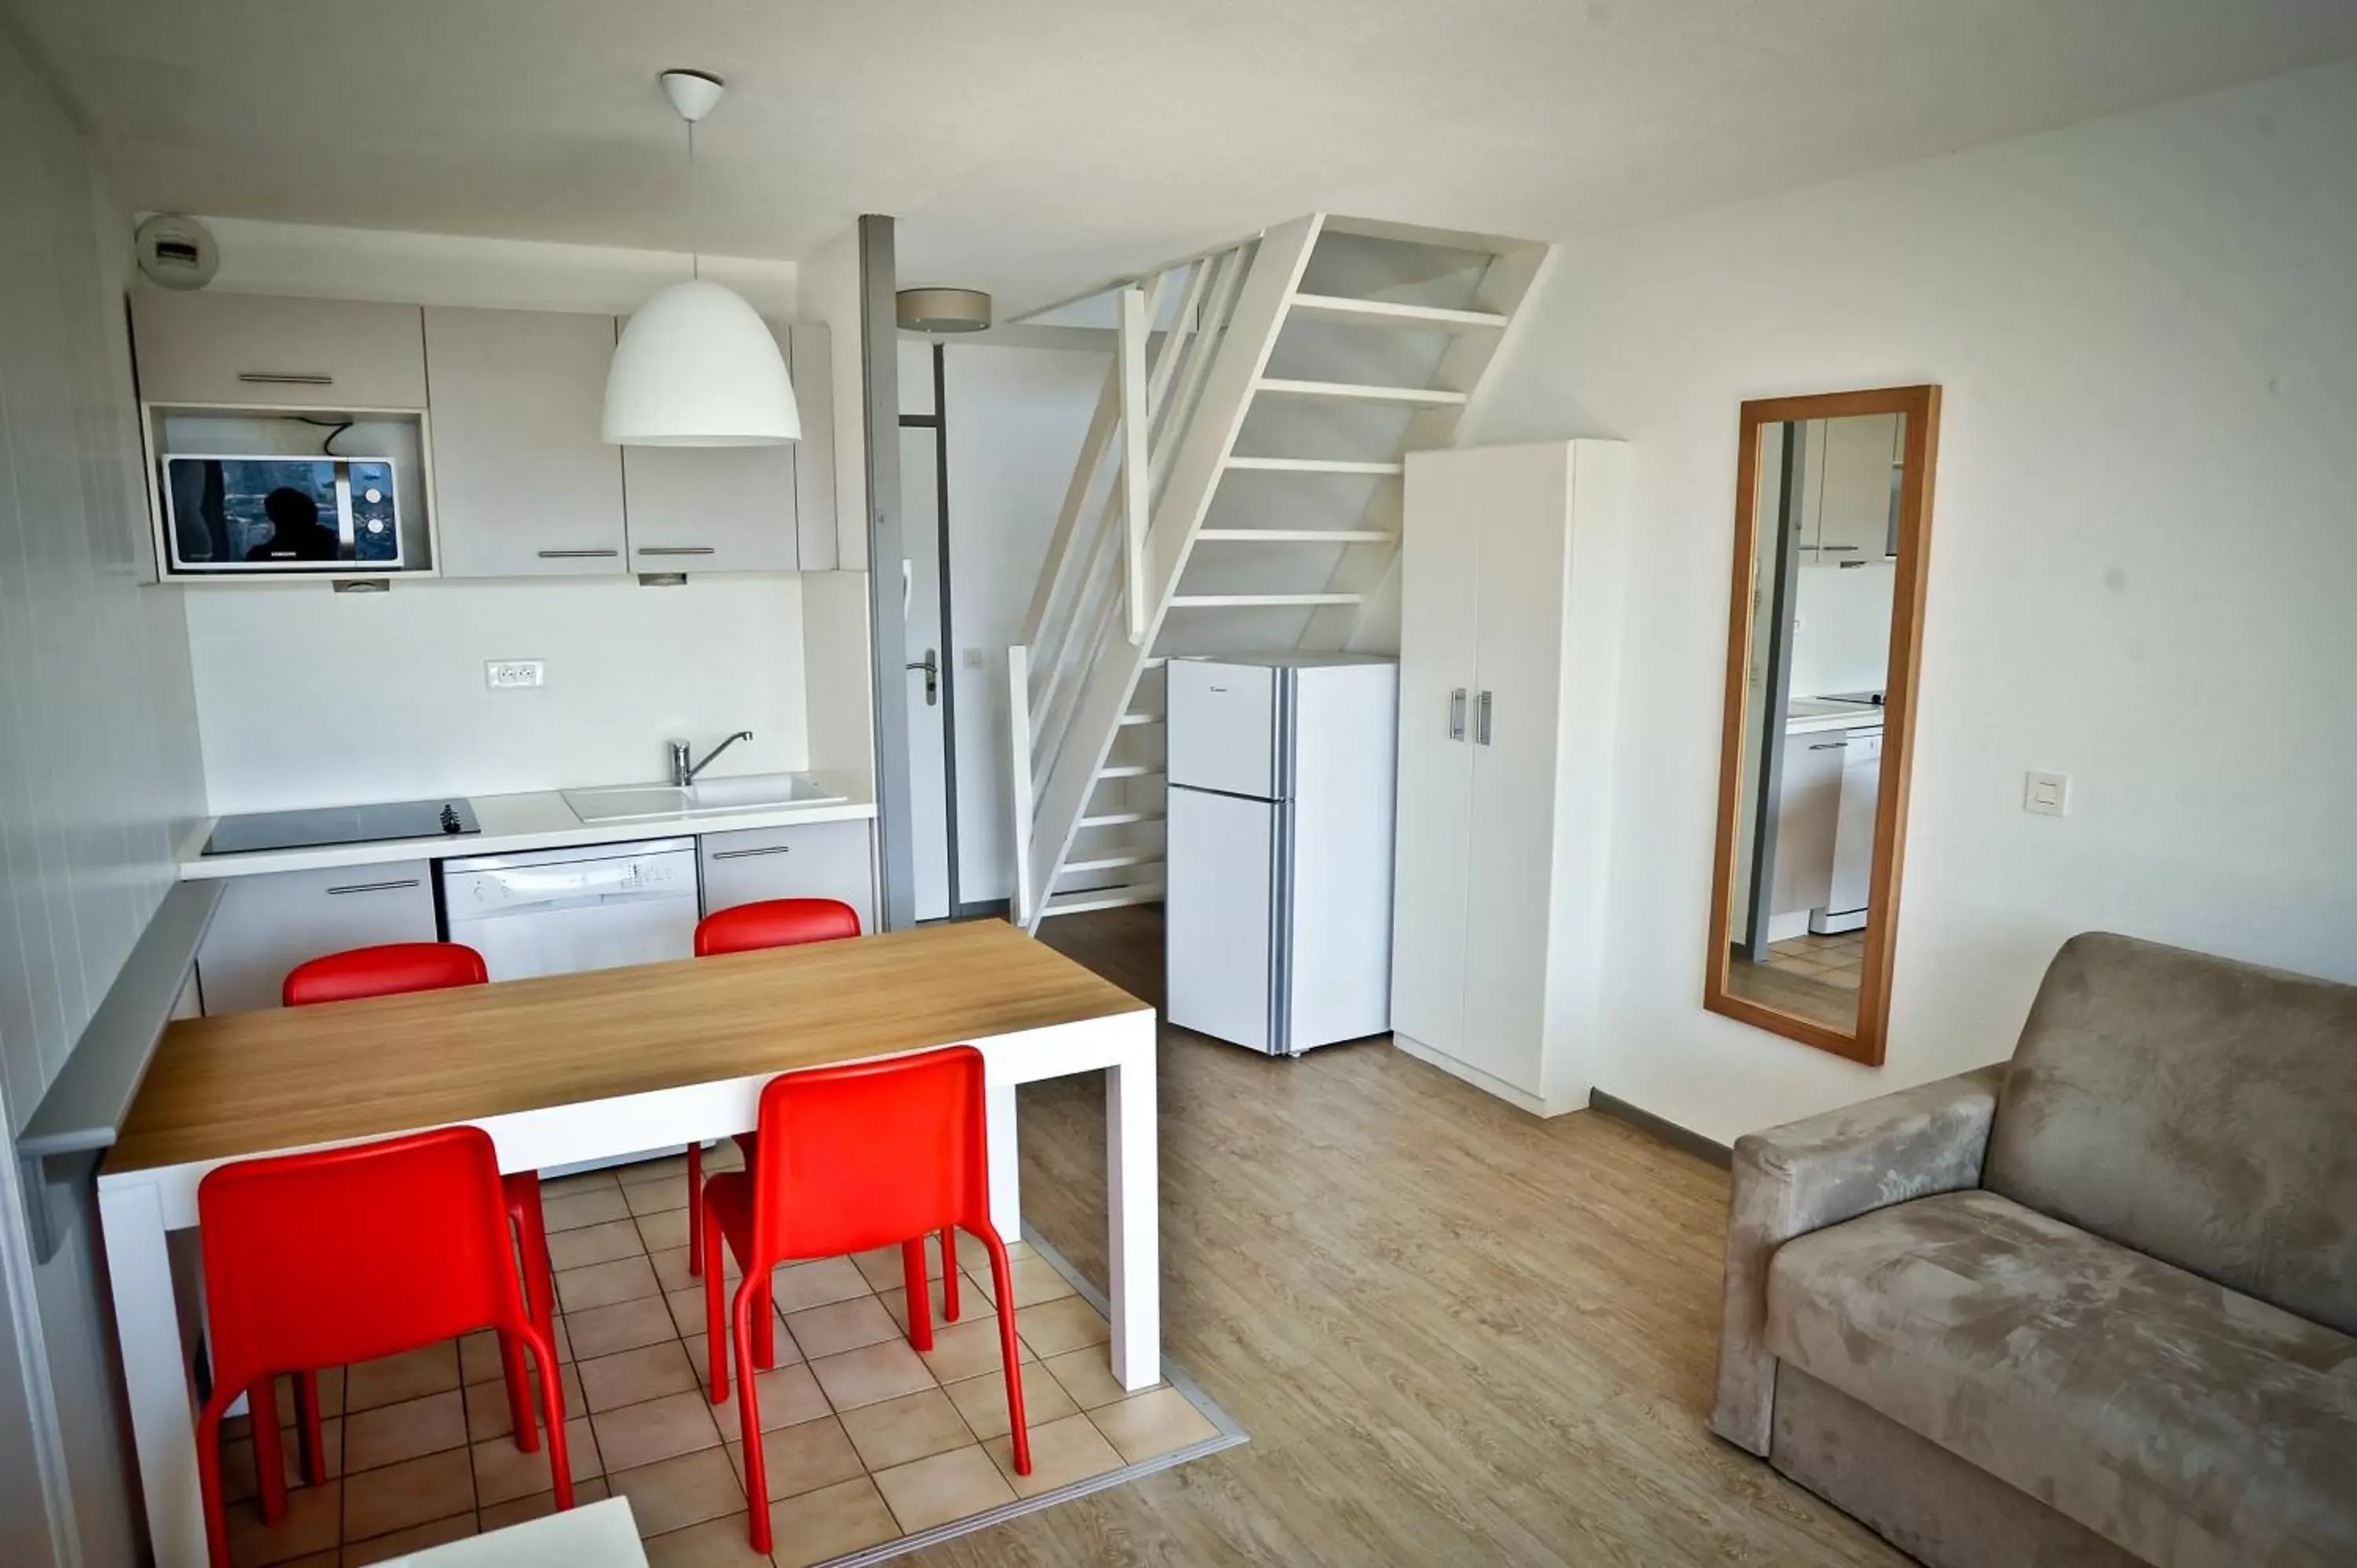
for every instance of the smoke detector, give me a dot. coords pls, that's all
(176, 252)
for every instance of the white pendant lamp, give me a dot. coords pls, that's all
(698, 366)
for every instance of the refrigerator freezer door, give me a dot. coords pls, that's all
(1225, 723)
(1220, 917)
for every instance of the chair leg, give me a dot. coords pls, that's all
(208, 1485)
(269, 1457)
(552, 1401)
(716, 1310)
(949, 1274)
(765, 1321)
(1002, 1286)
(920, 1300)
(523, 1190)
(521, 1420)
(694, 1208)
(307, 1423)
(748, 1414)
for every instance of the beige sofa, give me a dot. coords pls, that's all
(2092, 1305)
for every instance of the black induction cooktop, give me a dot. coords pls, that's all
(451, 818)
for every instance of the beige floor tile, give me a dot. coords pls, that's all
(655, 1197)
(594, 1245)
(553, 1187)
(377, 1502)
(975, 1258)
(720, 1542)
(841, 1325)
(973, 1300)
(388, 1434)
(639, 1434)
(593, 1206)
(968, 1349)
(1087, 1376)
(723, 1156)
(602, 1285)
(1037, 1280)
(830, 1522)
(313, 1514)
(983, 1401)
(687, 1309)
(945, 1486)
(331, 1400)
(237, 1459)
(786, 1396)
(661, 1233)
(479, 1353)
(1068, 1323)
(801, 1458)
(516, 1510)
(670, 1168)
(417, 1537)
(1063, 1452)
(504, 1472)
(430, 1370)
(630, 1376)
(1145, 1425)
(486, 1405)
(911, 1427)
(675, 1493)
(798, 1286)
(781, 1342)
(871, 1373)
(671, 1269)
(623, 1325)
(880, 1266)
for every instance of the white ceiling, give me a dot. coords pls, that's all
(1034, 148)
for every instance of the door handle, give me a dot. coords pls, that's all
(1481, 720)
(930, 665)
(1457, 714)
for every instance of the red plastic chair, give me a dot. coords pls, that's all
(389, 970)
(857, 1156)
(748, 928)
(349, 1254)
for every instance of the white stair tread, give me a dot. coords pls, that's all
(1385, 313)
(1099, 898)
(1129, 719)
(1315, 466)
(1254, 601)
(1294, 535)
(1435, 397)
(1128, 770)
(1110, 862)
(1120, 819)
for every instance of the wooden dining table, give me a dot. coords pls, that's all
(582, 1067)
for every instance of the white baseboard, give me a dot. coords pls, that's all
(1489, 1083)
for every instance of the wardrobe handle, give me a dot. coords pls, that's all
(285, 379)
(1457, 714)
(1481, 720)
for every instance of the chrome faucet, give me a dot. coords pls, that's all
(683, 771)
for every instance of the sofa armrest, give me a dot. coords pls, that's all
(1811, 1173)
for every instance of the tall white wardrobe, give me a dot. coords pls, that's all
(1510, 635)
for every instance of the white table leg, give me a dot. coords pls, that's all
(1133, 1207)
(1006, 1169)
(155, 1370)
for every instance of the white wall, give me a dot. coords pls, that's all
(2141, 566)
(98, 778)
(308, 697)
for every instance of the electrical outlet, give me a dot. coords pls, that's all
(513, 674)
(2046, 794)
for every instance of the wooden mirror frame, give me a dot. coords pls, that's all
(1920, 404)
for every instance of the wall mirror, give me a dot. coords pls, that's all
(1832, 516)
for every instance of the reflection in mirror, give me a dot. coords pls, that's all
(1829, 573)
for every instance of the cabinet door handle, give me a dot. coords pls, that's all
(743, 853)
(285, 379)
(576, 554)
(375, 887)
(1481, 719)
(1831, 549)
(676, 550)
(1457, 714)
(1830, 746)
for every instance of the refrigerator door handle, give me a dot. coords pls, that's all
(1457, 714)
(1481, 720)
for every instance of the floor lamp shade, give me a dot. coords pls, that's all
(698, 367)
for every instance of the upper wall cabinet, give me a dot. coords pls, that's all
(269, 351)
(1851, 502)
(526, 486)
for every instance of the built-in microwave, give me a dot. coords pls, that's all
(281, 514)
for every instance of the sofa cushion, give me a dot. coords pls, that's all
(2196, 1110)
(2187, 1423)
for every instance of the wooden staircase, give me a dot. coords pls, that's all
(1238, 491)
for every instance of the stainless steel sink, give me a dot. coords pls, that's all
(751, 793)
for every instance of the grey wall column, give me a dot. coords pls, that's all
(880, 353)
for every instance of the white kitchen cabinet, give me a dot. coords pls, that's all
(268, 923)
(813, 859)
(1808, 808)
(1853, 488)
(269, 351)
(525, 486)
(1508, 662)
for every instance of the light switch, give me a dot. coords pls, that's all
(513, 674)
(973, 659)
(2046, 794)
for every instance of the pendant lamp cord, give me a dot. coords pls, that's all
(694, 259)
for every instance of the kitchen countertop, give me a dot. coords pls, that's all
(1809, 715)
(514, 823)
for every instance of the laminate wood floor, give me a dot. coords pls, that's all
(1456, 1334)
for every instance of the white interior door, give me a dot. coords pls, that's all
(929, 790)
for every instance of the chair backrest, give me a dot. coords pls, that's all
(775, 923)
(2196, 1110)
(337, 1255)
(871, 1153)
(383, 972)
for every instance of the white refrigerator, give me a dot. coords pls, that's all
(1278, 909)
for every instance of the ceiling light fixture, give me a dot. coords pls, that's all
(698, 366)
(943, 309)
